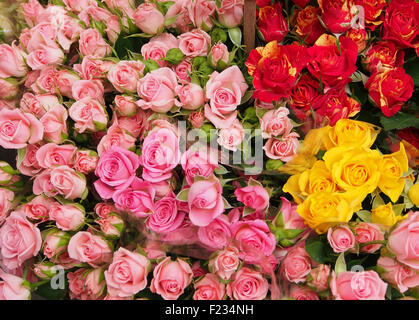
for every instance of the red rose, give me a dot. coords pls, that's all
(301, 3)
(411, 135)
(336, 14)
(303, 95)
(307, 24)
(383, 55)
(390, 89)
(359, 36)
(373, 12)
(331, 65)
(272, 23)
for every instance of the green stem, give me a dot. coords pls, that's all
(372, 242)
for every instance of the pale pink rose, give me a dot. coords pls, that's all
(9, 89)
(341, 238)
(88, 89)
(94, 12)
(94, 285)
(166, 215)
(170, 278)
(403, 241)
(296, 265)
(154, 250)
(137, 124)
(92, 44)
(318, 279)
(43, 34)
(276, 123)
(225, 91)
(162, 122)
(45, 81)
(219, 55)
(302, 293)
(65, 80)
(12, 63)
(111, 225)
(209, 288)
(194, 43)
(116, 137)
(68, 32)
(125, 74)
(291, 219)
(179, 10)
(20, 240)
(197, 119)
(198, 163)
(366, 232)
(125, 106)
(225, 263)
(89, 115)
(113, 28)
(76, 282)
(217, 234)
(67, 217)
(38, 208)
(160, 155)
(230, 14)
(125, 6)
(183, 71)
(254, 238)
(365, 285)
(55, 125)
(86, 161)
(148, 18)
(17, 129)
(127, 274)
(24, 37)
(104, 209)
(116, 170)
(31, 11)
(284, 148)
(51, 154)
(200, 12)
(77, 5)
(255, 197)
(42, 184)
(230, 138)
(398, 275)
(247, 284)
(39, 104)
(89, 248)
(29, 165)
(205, 201)
(91, 68)
(66, 262)
(191, 96)
(156, 49)
(44, 56)
(13, 287)
(157, 90)
(137, 199)
(6, 198)
(55, 244)
(6, 104)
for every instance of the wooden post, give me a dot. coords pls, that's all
(249, 27)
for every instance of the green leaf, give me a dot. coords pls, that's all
(364, 215)
(316, 249)
(400, 120)
(247, 96)
(183, 195)
(45, 291)
(340, 265)
(235, 35)
(220, 170)
(412, 69)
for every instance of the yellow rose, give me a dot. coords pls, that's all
(313, 180)
(414, 194)
(384, 215)
(323, 210)
(392, 168)
(354, 169)
(350, 133)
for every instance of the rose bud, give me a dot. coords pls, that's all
(318, 278)
(218, 56)
(191, 96)
(197, 119)
(55, 243)
(149, 19)
(111, 225)
(12, 63)
(45, 270)
(341, 238)
(225, 262)
(68, 217)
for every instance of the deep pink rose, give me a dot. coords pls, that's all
(217, 234)
(166, 215)
(194, 43)
(341, 238)
(209, 288)
(247, 284)
(51, 154)
(225, 262)
(89, 248)
(255, 197)
(125, 74)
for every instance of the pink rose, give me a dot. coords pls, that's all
(157, 90)
(55, 244)
(296, 265)
(86, 161)
(17, 129)
(91, 68)
(197, 119)
(88, 115)
(301, 293)
(231, 137)
(209, 288)
(8, 89)
(68, 32)
(50, 155)
(39, 104)
(31, 11)
(254, 239)
(191, 96)
(365, 285)
(137, 199)
(148, 18)
(276, 123)
(89, 248)
(13, 287)
(166, 215)
(125, 106)
(137, 124)
(162, 188)
(205, 201)
(64, 81)
(94, 12)
(44, 81)
(44, 56)
(170, 278)
(247, 284)
(217, 234)
(198, 163)
(29, 165)
(43, 34)
(200, 12)
(12, 63)
(403, 241)
(88, 88)
(92, 44)
(67, 217)
(395, 273)
(183, 71)
(160, 155)
(318, 279)
(255, 197)
(225, 91)
(76, 282)
(6, 198)
(230, 14)
(20, 240)
(127, 274)
(116, 171)
(111, 226)
(284, 148)
(178, 11)
(125, 74)
(219, 56)
(225, 263)
(38, 208)
(94, 285)
(341, 238)
(77, 5)
(104, 209)
(116, 137)
(291, 219)
(366, 232)
(55, 125)
(194, 43)
(156, 49)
